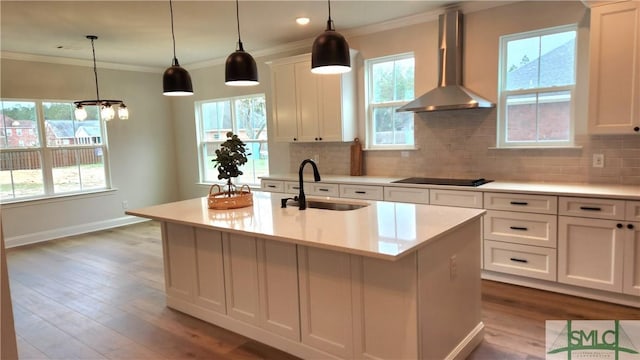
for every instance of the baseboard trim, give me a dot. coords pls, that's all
(468, 344)
(41, 236)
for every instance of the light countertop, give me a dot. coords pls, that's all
(629, 192)
(384, 230)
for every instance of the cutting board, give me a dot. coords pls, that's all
(356, 158)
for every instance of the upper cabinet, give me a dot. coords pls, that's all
(614, 90)
(309, 107)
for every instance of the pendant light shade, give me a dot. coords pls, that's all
(176, 81)
(330, 52)
(240, 68)
(107, 112)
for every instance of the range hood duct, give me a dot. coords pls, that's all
(450, 94)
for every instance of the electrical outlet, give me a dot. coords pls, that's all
(453, 267)
(125, 205)
(598, 160)
(404, 154)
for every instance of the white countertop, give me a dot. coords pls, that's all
(629, 192)
(384, 230)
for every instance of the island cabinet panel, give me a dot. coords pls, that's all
(179, 254)
(241, 277)
(326, 314)
(386, 324)
(278, 288)
(209, 291)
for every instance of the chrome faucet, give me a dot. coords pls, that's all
(301, 199)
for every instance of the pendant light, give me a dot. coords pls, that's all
(176, 81)
(106, 106)
(330, 53)
(240, 68)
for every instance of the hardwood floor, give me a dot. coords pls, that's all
(101, 296)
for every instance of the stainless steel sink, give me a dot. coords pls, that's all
(331, 205)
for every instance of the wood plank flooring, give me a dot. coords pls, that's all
(101, 296)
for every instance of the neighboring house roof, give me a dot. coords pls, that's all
(555, 68)
(68, 128)
(10, 122)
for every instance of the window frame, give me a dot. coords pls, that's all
(46, 151)
(503, 94)
(202, 145)
(370, 106)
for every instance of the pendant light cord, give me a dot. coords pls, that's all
(173, 36)
(240, 48)
(329, 20)
(95, 69)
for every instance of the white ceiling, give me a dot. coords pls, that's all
(139, 32)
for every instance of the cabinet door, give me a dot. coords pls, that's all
(330, 127)
(307, 98)
(278, 284)
(285, 114)
(632, 260)
(209, 290)
(590, 253)
(614, 77)
(179, 258)
(406, 195)
(470, 199)
(241, 276)
(326, 315)
(521, 228)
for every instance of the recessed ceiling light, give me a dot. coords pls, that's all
(302, 20)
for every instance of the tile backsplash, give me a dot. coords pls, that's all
(461, 143)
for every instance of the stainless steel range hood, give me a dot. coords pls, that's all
(450, 94)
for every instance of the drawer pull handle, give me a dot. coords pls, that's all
(295, 187)
(323, 189)
(361, 192)
(518, 228)
(590, 208)
(519, 260)
(271, 186)
(519, 203)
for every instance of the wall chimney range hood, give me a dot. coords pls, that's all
(450, 94)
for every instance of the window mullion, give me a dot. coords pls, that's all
(45, 151)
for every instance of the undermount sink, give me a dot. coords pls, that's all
(331, 205)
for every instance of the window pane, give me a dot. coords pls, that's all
(521, 118)
(257, 164)
(63, 130)
(216, 120)
(78, 169)
(209, 153)
(404, 80)
(391, 127)
(383, 83)
(251, 118)
(20, 174)
(19, 127)
(557, 60)
(522, 63)
(554, 112)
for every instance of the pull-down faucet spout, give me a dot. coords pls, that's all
(302, 200)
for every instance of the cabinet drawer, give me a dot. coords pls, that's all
(542, 204)
(407, 195)
(632, 212)
(470, 199)
(592, 208)
(361, 192)
(292, 187)
(521, 228)
(525, 260)
(272, 185)
(320, 189)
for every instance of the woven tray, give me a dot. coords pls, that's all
(220, 200)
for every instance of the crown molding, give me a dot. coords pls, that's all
(8, 55)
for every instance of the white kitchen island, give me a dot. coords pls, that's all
(386, 281)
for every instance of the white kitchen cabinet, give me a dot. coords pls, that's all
(614, 104)
(631, 271)
(632, 211)
(523, 260)
(272, 185)
(592, 208)
(241, 277)
(365, 192)
(591, 252)
(521, 228)
(530, 203)
(406, 195)
(461, 198)
(189, 254)
(309, 107)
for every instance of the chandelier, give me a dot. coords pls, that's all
(106, 106)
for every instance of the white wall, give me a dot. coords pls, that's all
(142, 149)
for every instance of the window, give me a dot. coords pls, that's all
(246, 117)
(52, 157)
(389, 85)
(536, 88)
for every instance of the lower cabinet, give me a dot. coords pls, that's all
(631, 268)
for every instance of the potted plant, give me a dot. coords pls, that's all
(231, 155)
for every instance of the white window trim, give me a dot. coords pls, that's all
(369, 128)
(501, 142)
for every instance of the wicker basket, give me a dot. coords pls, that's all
(219, 199)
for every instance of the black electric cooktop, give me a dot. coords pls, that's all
(443, 181)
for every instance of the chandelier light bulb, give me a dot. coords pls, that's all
(107, 113)
(80, 113)
(123, 112)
